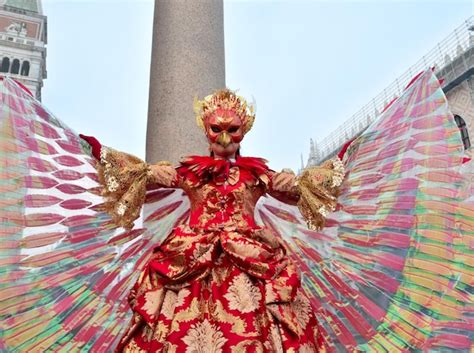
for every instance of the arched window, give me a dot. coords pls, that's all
(15, 66)
(464, 133)
(25, 68)
(5, 67)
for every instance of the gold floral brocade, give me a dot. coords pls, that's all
(220, 283)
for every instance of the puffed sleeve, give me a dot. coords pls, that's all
(314, 191)
(318, 188)
(283, 186)
(124, 179)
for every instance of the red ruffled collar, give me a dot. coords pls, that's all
(201, 168)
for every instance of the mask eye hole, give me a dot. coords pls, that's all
(233, 129)
(216, 129)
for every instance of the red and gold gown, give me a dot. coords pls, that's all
(221, 283)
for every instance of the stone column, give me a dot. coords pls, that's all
(187, 60)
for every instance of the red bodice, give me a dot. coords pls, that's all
(223, 193)
(220, 280)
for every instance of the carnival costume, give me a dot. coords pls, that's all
(222, 259)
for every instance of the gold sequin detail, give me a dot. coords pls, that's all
(124, 179)
(319, 188)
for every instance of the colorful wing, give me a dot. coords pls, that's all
(65, 268)
(392, 271)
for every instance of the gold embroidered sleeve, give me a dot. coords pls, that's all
(124, 179)
(163, 174)
(318, 189)
(283, 186)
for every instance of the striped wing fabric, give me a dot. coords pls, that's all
(393, 269)
(65, 268)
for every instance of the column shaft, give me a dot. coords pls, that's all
(187, 60)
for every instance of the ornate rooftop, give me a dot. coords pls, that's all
(28, 5)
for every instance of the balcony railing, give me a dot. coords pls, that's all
(20, 40)
(459, 42)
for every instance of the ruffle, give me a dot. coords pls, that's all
(198, 170)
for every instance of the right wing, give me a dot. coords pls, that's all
(393, 269)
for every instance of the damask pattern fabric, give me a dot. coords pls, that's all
(221, 283)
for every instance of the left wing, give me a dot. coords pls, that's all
(65, 267)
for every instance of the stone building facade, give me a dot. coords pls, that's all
(23, 38)
(458, 74)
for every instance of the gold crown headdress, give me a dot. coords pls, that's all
(227, 100)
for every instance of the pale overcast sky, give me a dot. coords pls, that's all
(309, 65)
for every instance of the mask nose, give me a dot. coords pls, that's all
(223, 139)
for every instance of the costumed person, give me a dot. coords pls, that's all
(222, 259)
(220, 283)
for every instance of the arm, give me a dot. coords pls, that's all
(315, 191)
(161, 174)
(124, 179)
(283, 186)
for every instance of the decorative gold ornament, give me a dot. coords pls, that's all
(227, 100)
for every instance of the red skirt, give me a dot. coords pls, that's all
(220, 291)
